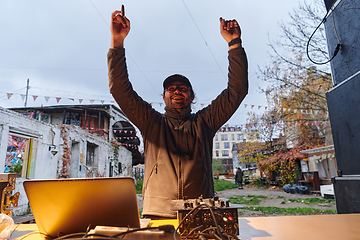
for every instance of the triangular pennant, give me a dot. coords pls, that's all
(47, 98)
(245, 105)
(252, 106)
(71, 99)
(23, 96)
(92, 101)
(259, 107)
(9, 95)
(34, 97)
(80, 100)
(102, 101)
(58, 99)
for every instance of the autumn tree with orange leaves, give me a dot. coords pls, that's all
(296, 92)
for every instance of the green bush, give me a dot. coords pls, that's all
(139, 185)
(16, 168)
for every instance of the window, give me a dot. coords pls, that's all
(217, 145)
(225, 153)
(224, 137)
(216, 137)
(20, 155)
(217, 153)
(232, 137)
(72, 118)
(90, 155)
(226, 145)
(240, 136)
(120, 167)
(45, 118)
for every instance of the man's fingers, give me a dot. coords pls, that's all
(228, 24)
(122, 10)
(115, 13)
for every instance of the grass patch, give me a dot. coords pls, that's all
(312, 200)
(248, 200)
(222, 184)
(280, 197)
(139, 185)
(291, 211)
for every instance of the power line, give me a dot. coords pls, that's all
(126, 51)
(202, 36)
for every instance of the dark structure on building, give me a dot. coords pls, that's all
(342, 27)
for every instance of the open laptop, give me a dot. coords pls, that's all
(64, 206)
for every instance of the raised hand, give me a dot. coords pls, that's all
(230, 30)
(120, 28)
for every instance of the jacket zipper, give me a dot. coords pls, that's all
(180, 185)
(151, 173)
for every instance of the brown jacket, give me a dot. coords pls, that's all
(177, 146)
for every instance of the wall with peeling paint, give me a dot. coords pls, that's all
(45, 164)
(80, 153)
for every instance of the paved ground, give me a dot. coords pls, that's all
(275, 197)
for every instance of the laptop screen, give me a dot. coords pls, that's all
(63, 206)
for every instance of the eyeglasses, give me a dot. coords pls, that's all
(172, 89)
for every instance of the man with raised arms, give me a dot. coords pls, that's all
(178, 143)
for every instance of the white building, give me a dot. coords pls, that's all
(226, 137)
(41, 146)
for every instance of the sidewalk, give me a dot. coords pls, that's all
(19, 219)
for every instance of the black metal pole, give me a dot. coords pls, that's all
(27, 91)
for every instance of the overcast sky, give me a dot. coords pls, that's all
(61, 46)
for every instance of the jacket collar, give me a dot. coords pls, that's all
(173, 113)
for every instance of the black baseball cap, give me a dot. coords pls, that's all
(174, 78)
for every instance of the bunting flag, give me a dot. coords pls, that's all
(303, 109)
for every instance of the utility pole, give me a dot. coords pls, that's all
(27, 91)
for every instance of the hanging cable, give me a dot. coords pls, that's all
(187, 9)
(127, 51)
(337, 48)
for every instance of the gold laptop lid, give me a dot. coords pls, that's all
(63, 206)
